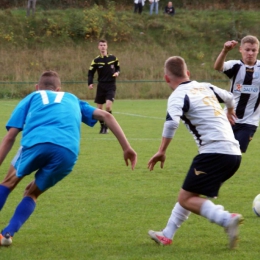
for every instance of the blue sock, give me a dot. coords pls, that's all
(4, 192)
(23, 211)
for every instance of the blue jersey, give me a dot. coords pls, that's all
(51, 117)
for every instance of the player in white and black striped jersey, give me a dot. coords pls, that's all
(244, 76)
(197, 105)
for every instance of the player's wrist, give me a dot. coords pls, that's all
(225, 51)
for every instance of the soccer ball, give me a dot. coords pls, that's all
(256, 205)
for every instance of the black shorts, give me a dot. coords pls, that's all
(105, 91)
(244, 134)
(209, 171)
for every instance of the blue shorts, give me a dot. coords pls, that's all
(209, 171)
(244, 134)
(51, 162)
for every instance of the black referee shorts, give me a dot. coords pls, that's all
(105, 91)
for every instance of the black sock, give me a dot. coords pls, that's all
(102, 123)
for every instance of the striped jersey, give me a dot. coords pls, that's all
(245, 84)
(197, 105)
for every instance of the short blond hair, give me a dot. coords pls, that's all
(175, 66)
(49, 80)
(250, 39)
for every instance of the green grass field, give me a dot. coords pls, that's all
(103, 209)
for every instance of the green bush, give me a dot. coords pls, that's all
(71, 24)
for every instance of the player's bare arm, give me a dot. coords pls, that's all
(112, 124)
(231, 115)
(160, 155)
(7, 143)
(229, 45)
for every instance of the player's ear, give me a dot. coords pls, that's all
(37, 87)
(167, 79)
(188, 73)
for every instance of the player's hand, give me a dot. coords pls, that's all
(231, 115)
(229, 45)
(158, 157)
(116, 74)
(90, 86)
(131, 155)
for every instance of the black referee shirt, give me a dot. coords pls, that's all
(106, 66)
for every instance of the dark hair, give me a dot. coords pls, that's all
(102, 40)
(49, 80)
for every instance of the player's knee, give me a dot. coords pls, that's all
(182, 200)
(184, 197)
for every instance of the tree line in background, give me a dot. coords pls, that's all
(189, 4)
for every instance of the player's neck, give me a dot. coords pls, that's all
(249, 63)
(103, 53)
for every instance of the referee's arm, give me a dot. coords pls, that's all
(91, 73)
(117, 66)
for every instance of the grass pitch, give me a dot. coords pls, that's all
(103, 210)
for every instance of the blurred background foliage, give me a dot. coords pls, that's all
(64, 38)
(188, 4)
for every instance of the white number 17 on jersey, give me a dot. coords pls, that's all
(45, 99)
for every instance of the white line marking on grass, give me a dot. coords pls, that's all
(114, 139)
(128, 114)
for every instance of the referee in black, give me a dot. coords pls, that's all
(107, 66)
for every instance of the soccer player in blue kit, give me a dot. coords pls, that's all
(197, 105)
(50, 120)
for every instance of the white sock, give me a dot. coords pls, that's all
(214, 213)
(179, 215)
